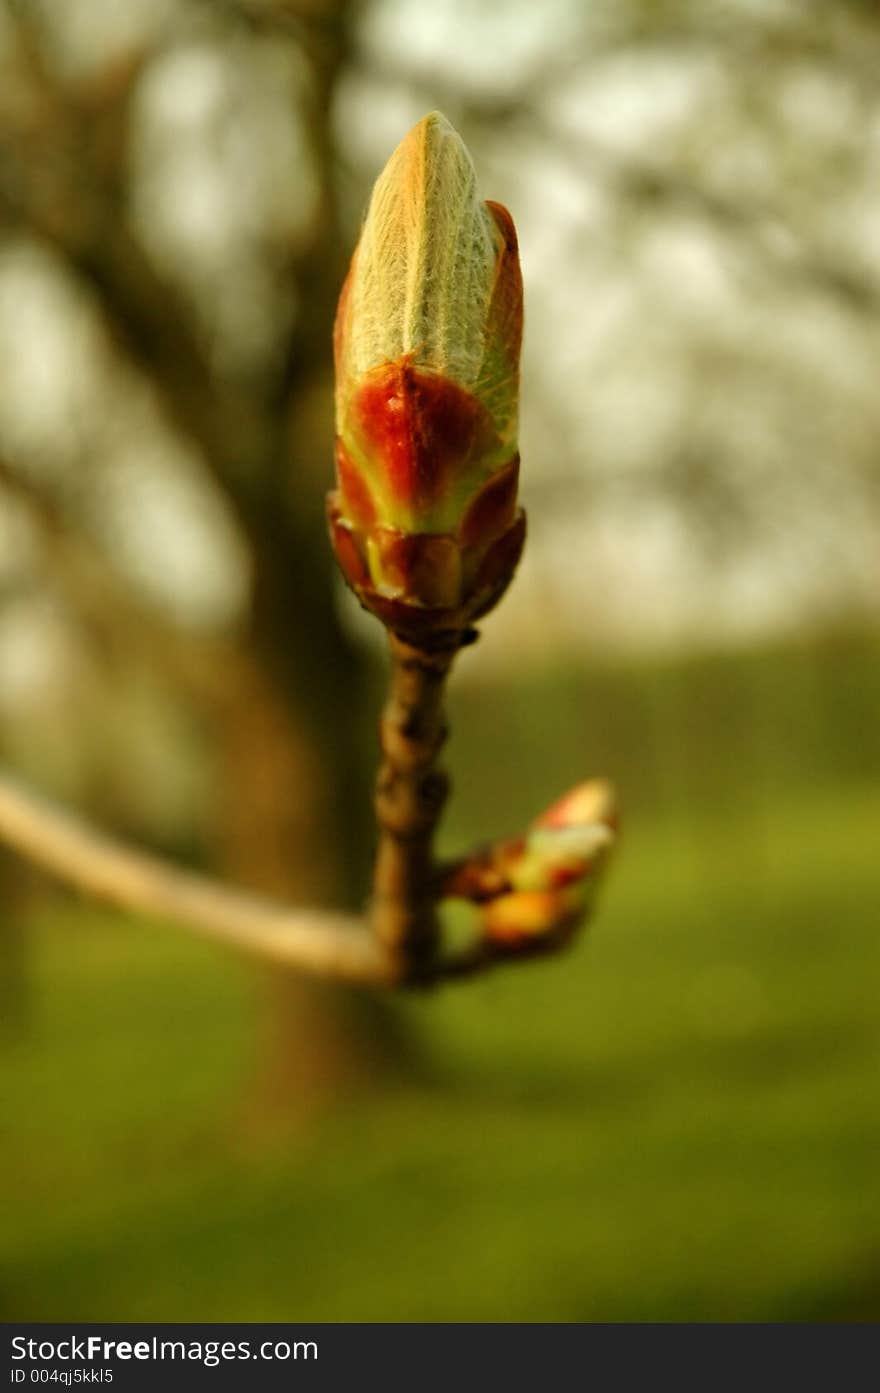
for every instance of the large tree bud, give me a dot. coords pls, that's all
(424, 520)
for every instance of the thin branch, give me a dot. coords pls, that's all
(410, 795)
(324, 943)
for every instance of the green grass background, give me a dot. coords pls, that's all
(678, 1120)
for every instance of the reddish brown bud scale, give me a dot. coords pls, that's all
(494, 508)
(425, 567)
(354, 492)
(422, 430)
(497, 566)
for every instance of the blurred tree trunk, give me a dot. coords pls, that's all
(300, 758)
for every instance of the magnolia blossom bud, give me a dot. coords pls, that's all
(424, 519)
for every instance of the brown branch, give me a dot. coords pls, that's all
(410, 794)
(326, 944)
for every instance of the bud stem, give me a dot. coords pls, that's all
(410, 795)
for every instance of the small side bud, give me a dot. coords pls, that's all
(551, 874)
(424, 519)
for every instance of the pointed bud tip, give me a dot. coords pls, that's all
(431, 130)
(436, 123)
(594, 801)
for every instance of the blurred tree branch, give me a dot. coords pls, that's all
(315, 941)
